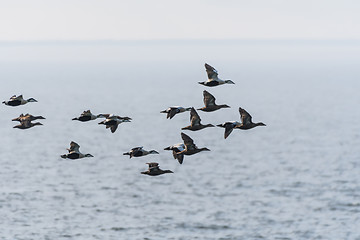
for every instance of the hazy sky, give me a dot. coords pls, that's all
(187, 19)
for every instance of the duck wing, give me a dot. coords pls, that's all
(113, 128)
(74, 147)
(136, 149)
(228, 129)
(209, 99)
(189, 143)
(172, 112)
(194, 117)
(245, 116)
(211, 72)
(152, 164)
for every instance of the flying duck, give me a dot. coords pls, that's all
(213, 79)
(112, 121)
(87, 116)
(229, 126)
(25, 124)
(74, 152)
(190, 147)
(210, 105)
(195, 122)
(176, 148)
(18, 100)
(154, 170)
(246, 120)
(27, 116)
(172, 111)
(139, 152)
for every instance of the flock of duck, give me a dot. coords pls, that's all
(179, 150)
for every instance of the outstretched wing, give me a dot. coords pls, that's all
(74, 147)
(152, 164)
(189, 143)
(113, 128)
(228, 129)
(245, 116)
(172, 112)
(211, 72)
(194, 117)
(136, 149)
(209, 99)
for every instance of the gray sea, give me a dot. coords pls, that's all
(297, 178)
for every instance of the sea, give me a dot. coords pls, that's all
(297, 178)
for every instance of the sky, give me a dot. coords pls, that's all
(23, 20)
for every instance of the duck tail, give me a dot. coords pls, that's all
(75, 119)
(63, 156)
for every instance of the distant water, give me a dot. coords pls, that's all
(296, 178)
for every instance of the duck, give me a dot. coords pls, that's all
(74, 152)
(195, 122)
(210, 105)
(25, 124)
(18, 100)
(139, 152)
(87, 116)
(112, 121)
(246, 120)
(176, 148)
(27, 116)
(213, 79)
(229, 126)
(172, 111)
(190, 147)
(154, 170)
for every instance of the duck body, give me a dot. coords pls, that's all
(27, 124)
(139, 152)
(154, 170)
(172, 111)
(74, 152)
(229, 126)
(213, 79)
(87, 116)
(195, 122)
(209, 102)
(18, 100)
(177, 148)
(190, 147)
(246, 121)
(27, 116)
(112, 121)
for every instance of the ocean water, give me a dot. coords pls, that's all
(296, 178)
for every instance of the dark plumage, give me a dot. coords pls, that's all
(27, 116)
(87, 116)
(25, 124)
(172, 111)
(190, 147)
(229, 126)
(74, 152)
(210, 105)
(154, 170)
(18, 100)
(139, 152)
(112, 121)
(246, 120)
(195, 122)
(213, 79)
(176, 149)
